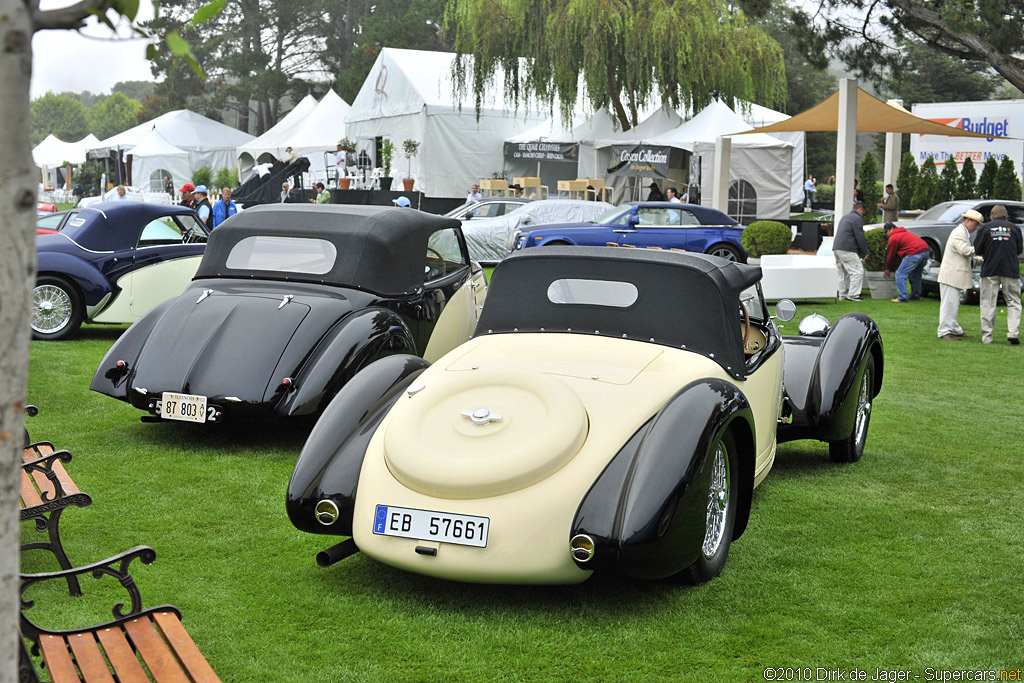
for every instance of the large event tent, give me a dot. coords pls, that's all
(319, 132)
(53, 153)
(756, 115)
(409, 95)
(153, 158)
(208, 142)
(272, 144)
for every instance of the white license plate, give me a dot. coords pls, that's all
(428, 525)
(187, 407)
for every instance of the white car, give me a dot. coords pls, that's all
(488, 238)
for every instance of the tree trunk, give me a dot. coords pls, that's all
(18, 189)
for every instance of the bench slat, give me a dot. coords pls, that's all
(182, 644)
(155, 652)
(40, 479)
(90, 659)
(28, 454)
(29, 495)
(57, 658)
(64, 478)
(121, 656)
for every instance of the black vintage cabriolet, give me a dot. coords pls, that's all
(289, 302)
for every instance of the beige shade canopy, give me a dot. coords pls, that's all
(873, 116)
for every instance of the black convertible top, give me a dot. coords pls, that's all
(683, 300)
(380, 249)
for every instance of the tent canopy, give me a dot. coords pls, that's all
(873, 116)
(153, 158)
(321, 130)
(714, 120)
(53, 151)
(272, 141)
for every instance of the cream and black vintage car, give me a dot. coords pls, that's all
(613, 413)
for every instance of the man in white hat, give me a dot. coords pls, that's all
(955, 275)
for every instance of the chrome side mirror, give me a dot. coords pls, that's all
(814, 325)
(785, 310)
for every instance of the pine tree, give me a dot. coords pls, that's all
(927, 185)
(1007, 186)
(987, 181)
(906, 179)
(968, 181)
(949, 181)
(868, 177)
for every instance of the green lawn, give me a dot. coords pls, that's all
(910, 558)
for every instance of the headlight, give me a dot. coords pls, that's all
(513, 239)
(521, 242)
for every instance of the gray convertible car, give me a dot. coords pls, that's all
(935, 224)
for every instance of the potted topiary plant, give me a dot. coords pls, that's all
(765, 237)
(410, 147)
(387, 153)
(348, 146)
(874, 265)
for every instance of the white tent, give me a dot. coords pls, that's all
(409, 94)
(757, 116)
(761, 171)
(207, 142)
(271, 145)
(153, 158)
(53, 151)
(318, 132)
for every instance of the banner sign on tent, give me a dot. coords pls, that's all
(542, 151)
(641, 161)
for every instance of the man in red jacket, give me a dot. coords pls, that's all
(914, 251)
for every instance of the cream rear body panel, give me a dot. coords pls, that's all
(458, 319)
(620, 383)
(146, 287)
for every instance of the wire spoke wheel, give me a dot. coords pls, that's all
(718, 502)
(863, 412)
(51, 309)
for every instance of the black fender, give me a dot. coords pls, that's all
(330, 461)
(110, 379)
(93, 284)
(646, 511)
(820, 374)
(357, 340)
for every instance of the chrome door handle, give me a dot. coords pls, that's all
(624, 232)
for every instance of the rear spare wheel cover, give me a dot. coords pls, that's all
(480, 434)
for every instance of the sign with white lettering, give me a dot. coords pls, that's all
(542, 151)
(1002, 118)
(640, 161)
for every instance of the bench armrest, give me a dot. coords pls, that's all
(45, 466)
(116, 566)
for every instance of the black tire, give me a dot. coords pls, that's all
(726, 251)
(851, 448)
(714, 552)
(57, 309)
(933, 251)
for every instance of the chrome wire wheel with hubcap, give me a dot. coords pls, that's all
(719, 510)
(851, 448)
(56, 309)
(718, 503)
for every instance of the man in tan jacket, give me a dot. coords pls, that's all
(890, 206)
(955, 275)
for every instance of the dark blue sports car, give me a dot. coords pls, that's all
(112, 263)
(646, 225)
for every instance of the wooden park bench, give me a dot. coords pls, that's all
(139, 645)
(46, 490)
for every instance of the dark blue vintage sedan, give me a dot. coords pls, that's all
(646, 225)
(112, 263)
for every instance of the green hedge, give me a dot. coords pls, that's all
(766, 237)
(878, 244)
(826, 194)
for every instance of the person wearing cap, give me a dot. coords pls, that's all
(285, 195)
(999, 242)
(202, 205)
(850, 248)
(223, 209)
(914, 252)
(655, 194)
(187, 198)
(402, 202)
(322, 195)
(955, 275)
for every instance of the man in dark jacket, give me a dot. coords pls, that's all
(202, 206)
(914, 251)
(187, 198)
(999, 242)
(655, 194)
(850, 248)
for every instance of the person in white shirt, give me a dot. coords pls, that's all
(121, 196)
(672, 195)
(686, 196)
(474, 194)
(340, 161)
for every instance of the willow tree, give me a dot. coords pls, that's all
(619, 54)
